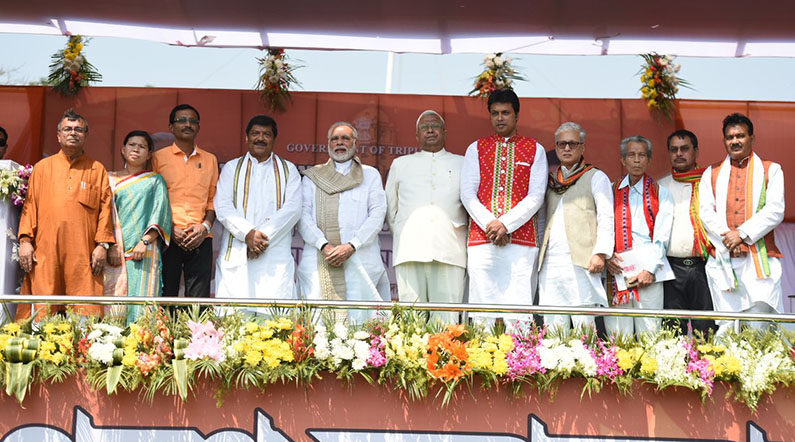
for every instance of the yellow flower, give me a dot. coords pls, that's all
(625, 360)
(284, 324)
(648, 72)
(650, 82)
(652, 103)
(238, 346)
(129, 359)
(704, 348)
(49, 328)
(47, 346)
(733, 364)
(270, 324)
(252, 358)
(719, 348)
(500, 364)
(12, 328)
(64, 327)
(58, 358)
(648, 365)
(251, 327)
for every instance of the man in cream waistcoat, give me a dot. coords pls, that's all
(427, 219)
(579, 233)
(742, 201)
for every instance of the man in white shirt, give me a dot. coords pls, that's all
(344, 206)
(742, 201)
(579, 234)
(258, 201)
(643, 216)
(428, 220)
(503, 182)
(689, 247)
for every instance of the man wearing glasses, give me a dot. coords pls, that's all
(66, 225)
(427, 219)
(191, 174)
(579, 233)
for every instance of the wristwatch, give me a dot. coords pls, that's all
(207, 226)
(105, 245)
(145, 241)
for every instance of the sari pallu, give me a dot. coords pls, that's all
(141, 203)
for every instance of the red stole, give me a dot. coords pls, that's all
(623, 225)
(504, 176)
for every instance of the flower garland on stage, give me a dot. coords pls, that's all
(163, 354)
(70, 71)
(14, 184)
(275, 79)
(499, 73)
(660, 82)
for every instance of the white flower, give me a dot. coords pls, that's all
(499, 83)
(361, 335)
(341, 330)
(359, 364)
(102, 352)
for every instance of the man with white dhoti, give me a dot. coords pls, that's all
(742, 201)
(579, 233)
(344, 206)
(503, 181)
(428, 221)
(258, 201)
(643, 216)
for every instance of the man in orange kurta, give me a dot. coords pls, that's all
(66, 224)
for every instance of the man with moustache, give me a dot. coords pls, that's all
(428, 221)
(742, 201)
(689, 246)
(258, 201)
(579, 233)
(66, 225)
(344, 206)
(191, 175)
(503, 182)
(643, 214)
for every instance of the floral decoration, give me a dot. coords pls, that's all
(276, 77)
(14, 184)
(660, 83)
(167, 354)
(499, 73)
(70, 70)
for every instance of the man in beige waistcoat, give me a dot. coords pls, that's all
(579, 234)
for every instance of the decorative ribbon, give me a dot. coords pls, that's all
(19, 355)
(180, 366)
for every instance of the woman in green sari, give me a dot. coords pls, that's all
(142, 220)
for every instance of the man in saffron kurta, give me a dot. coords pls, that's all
(503, 182)
(66, 224)
(742, 201)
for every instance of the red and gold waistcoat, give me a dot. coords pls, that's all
(504, 176)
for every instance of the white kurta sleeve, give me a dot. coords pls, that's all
(283, 221)
(376, 210)
(663, 224)
(391, 190)
(603, 199)
(231, 218)
(536, 189)
(470, 182)
(772, 214)
(307, 226)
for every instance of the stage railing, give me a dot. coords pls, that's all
(387, 305)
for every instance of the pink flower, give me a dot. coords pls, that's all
(205, 342)
(524, 359)
(606, 360)
(377, 356)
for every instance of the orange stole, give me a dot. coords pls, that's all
(504, 177)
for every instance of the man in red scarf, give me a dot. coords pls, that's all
(643, 215)
(689, 247)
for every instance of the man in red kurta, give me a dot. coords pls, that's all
(66, 225)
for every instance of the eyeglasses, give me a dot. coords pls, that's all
(77, 130)
(433, 126)
(183, 120)
(571, 144)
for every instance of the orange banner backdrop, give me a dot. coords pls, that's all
(386, 124)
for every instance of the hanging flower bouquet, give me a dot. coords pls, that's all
(14, 184)
(275, 79)
(499, 74)
(70, 71)
(660, 83)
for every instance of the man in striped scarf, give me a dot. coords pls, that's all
(689, 247)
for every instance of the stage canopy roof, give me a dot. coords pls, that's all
(730, 28)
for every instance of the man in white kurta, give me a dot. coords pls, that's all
(502, 187)
(258, 201)
(646, 227)
(428, 221)
(742, 201)
(349, 242)
(579, 234)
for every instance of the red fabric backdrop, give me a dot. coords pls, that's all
(386, 124)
